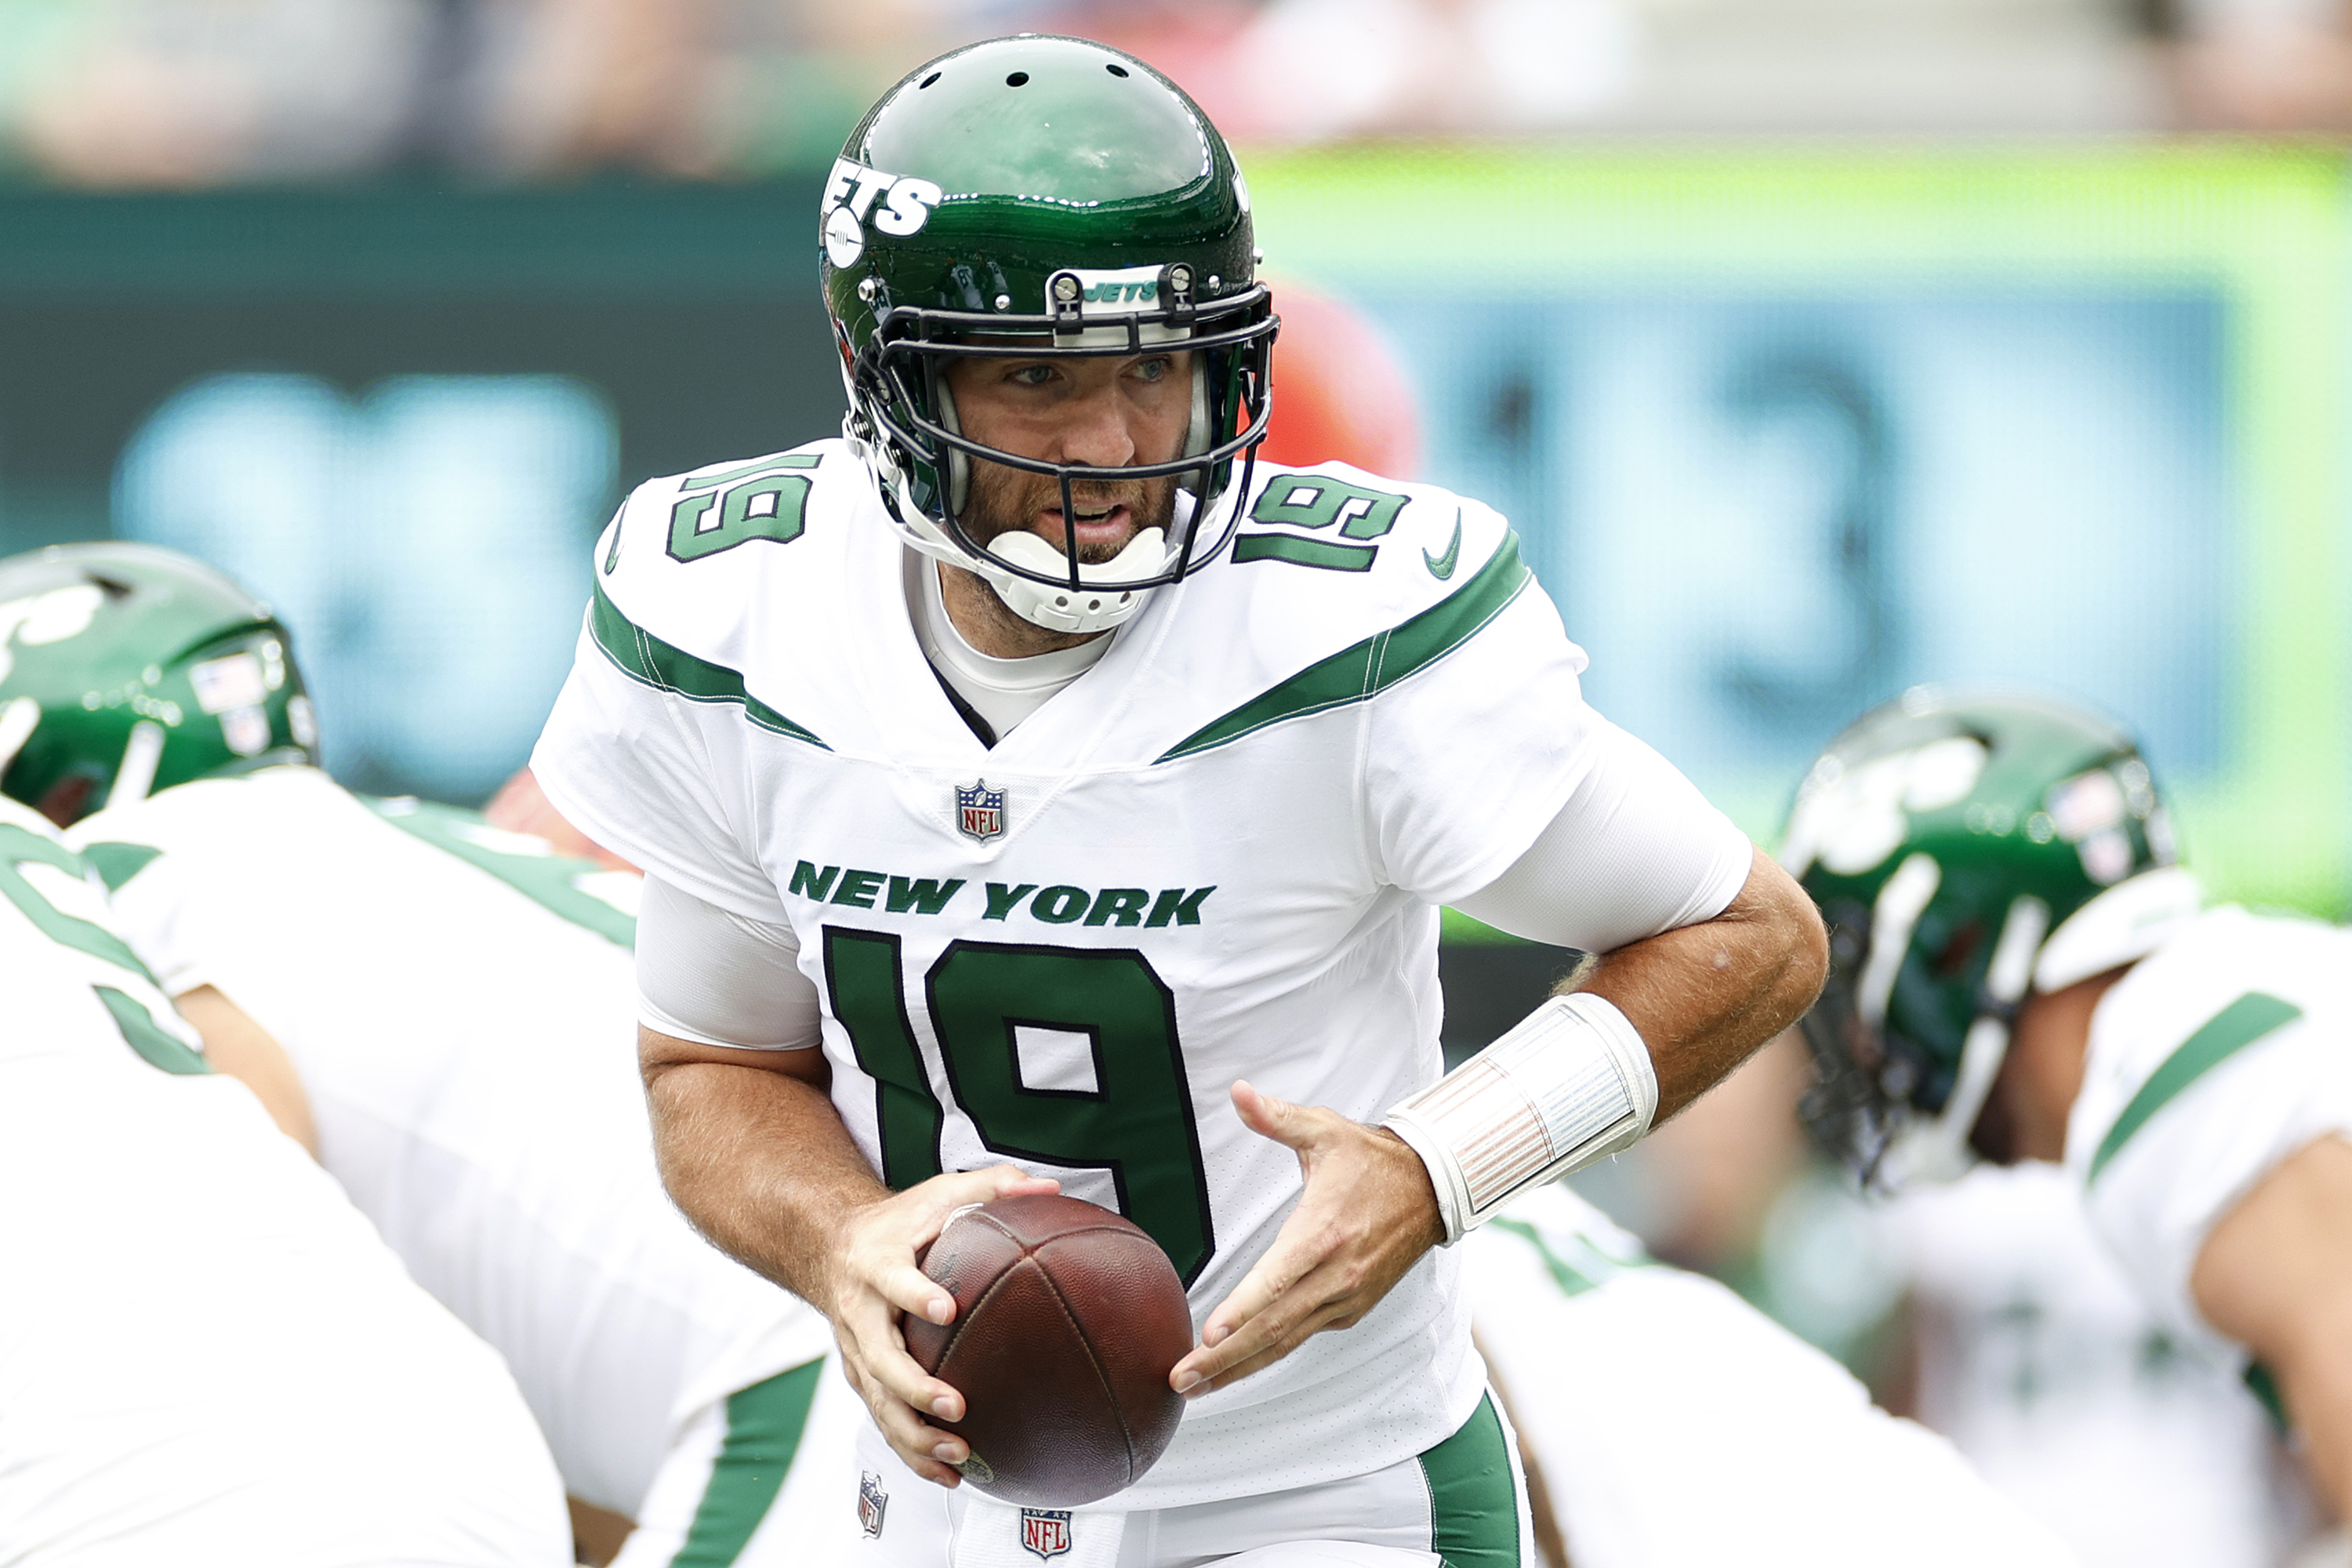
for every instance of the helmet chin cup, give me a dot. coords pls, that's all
(1057, 607)
(1061, 607)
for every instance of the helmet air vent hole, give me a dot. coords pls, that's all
(927, 82)
(1116, 70)
(1062, 599)
(1018, 78)
(1094, 603)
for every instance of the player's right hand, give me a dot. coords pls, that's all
(874, 1278)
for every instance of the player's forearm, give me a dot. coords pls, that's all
(1706, 996)
(759, 1159)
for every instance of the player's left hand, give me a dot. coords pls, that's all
(1367, 1214)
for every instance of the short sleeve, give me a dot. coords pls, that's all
(2165, 1184)
(633, 774)
(1637, 851)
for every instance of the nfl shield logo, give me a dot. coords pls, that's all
(1046, 1531)
(980, 811)
(871, 1501)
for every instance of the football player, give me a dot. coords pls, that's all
(443, 1011)
(1032, 789)
(205, 1355)
(2023, 971)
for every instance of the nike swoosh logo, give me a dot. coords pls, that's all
(1442, 566)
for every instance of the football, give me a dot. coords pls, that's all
(1069, 1319)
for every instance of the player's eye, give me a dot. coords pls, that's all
(1153, 369)
(1030, 374)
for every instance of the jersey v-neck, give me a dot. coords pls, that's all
(991, 695)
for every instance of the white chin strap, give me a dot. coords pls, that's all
(1056, 606)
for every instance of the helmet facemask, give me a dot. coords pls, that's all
(899, 393)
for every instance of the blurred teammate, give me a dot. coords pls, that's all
(452, 1003)
(206, 1357)
(2023, 971)
(1665, 1422)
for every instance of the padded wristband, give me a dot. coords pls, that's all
(1570, 1083)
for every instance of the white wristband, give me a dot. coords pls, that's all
(1570, 1083)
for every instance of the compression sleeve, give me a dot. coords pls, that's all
(706, 975)
(1637, 851)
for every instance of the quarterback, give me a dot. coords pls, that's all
(1030, 791)
(441, 1011)
(2024, 971)
(205, 1355)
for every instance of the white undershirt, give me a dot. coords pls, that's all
(1003, 691)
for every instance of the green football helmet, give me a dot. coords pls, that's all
(1039, 195)
(126, 668)
(1965, 850)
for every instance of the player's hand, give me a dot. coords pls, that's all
(1367, 1214)
(874, 1278)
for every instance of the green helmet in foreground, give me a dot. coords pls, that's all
(126, 668)
(1966, 851)
(1042, 196)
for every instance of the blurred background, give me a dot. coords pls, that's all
(1817, 348)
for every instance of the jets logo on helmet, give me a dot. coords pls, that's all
(1965, 850)
(855, 195)
(1098, 213)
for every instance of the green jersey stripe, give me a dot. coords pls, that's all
(2228, 1032)
(644, 657)
(1363, 671)
(118, 863)
(763, 1432)
(1474, 1506)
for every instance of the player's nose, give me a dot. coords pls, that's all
(1099, 432)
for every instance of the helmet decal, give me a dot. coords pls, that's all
(1965, 849)
(855, 195)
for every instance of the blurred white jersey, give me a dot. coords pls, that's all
(1217, 853)
(2044, 1368)
(1677, 1426)
(461, 1004)
(207, 1356)
(2220, 1054)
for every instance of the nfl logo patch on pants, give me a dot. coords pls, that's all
(1046, 1531)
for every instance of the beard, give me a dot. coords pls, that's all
(1001, 501)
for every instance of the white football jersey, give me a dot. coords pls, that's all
(1677, 1426)
(2220, 1054)
(207, 1356)
(2041, 1364)
(1218, 853)
(461, 1004)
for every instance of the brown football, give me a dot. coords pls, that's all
(1069, 1319)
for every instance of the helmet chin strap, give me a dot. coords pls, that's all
(1057, 607)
